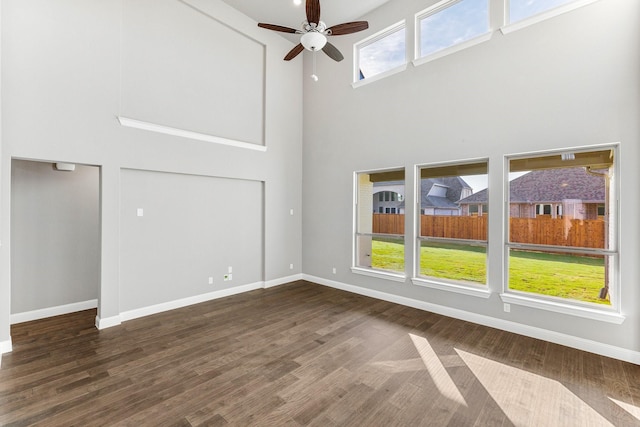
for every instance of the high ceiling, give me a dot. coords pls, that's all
(286, 13)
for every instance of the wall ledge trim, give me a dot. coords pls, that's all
(43, 313)
(168, 130)
(602, 349)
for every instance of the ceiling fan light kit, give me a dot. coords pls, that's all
(313, 41)
(314, 34)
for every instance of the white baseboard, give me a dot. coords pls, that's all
(184, 302)
(52, 311)
(5, 347)
(505, 325)
(107, 322)
(282, 281)
(172, 305)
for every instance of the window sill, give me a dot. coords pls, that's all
(509, 28)
(472, 290)
(453, 49)
(608, 316)
(396, 277)
(380, 76)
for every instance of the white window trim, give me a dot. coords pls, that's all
(543, 16)
(379, 76)
(432, 10)
(481, 291)
(455, 286)
(611, 314)
(452, 49)
(356, 82)
(602, 315)
(396, 277)
(371, 272)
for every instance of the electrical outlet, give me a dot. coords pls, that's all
(334, 270)
(230, 270)
(211, 280)
(507, 308)
(290, 266)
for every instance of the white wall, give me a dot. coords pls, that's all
(210, 224)
(569, 81)
(56, 241)
(70, 67)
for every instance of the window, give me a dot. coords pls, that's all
(526, 12)
(543, 209)
(381, 53)
(569, 257)
(379, 237)
(452, 238)
(451, 23)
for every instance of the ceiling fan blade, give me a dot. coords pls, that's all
(313, 11)
(294, 52)
(332, 52)
(348, 28)
(277, 28)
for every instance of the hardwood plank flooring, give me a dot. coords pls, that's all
(304, 354)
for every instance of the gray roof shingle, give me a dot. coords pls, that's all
(551, 186)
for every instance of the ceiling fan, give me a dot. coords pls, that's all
(314, 33)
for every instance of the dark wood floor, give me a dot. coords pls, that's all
(304, 354)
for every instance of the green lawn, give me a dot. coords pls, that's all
(559, 275)
(388, 254)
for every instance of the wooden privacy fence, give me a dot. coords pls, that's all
(539, 231)
(581, 233)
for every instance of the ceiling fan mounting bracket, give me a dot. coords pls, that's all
(320, 27)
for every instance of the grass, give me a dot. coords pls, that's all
(454, 262)
(388, 254)
(558, 275)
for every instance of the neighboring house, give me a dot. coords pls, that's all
(388, 197)
(570, 193)
(438, 196)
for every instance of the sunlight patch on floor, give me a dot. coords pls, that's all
(633, 410)
(398, 366)
(529, 399)
(437, 371)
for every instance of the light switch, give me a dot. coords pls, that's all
(140, 212)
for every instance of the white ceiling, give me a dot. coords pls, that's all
(285, 13)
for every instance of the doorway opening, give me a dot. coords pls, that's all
(55, 239)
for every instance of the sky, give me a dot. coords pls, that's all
(480, 182)
(462, 21)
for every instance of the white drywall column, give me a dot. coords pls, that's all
(109, 296)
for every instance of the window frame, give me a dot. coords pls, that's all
(419, 59)
(386, 32)
(510, 27)
(466, 288)
(611, 313)
(372, 272)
